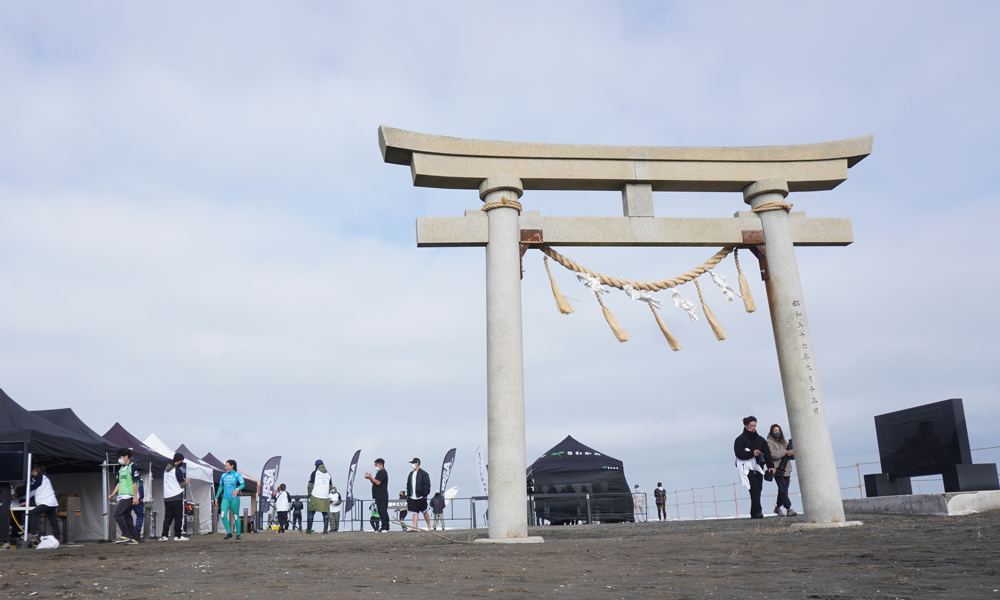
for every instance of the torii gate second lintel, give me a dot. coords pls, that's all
(764, 174)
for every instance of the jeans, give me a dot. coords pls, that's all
(50, 511)
(140, 516)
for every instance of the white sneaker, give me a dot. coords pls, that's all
(164, 539)
(182, 539)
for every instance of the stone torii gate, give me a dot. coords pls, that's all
(502, 171)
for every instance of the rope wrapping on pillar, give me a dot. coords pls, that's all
(504, 202)
(772, 205)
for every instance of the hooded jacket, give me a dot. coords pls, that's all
(319, 486)
(173, 482)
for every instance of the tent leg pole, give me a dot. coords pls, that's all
(27, 498)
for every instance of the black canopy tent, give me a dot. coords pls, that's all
(574, 470)
(59, 449)
(68, 420)
(71, 459)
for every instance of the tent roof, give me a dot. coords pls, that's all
(191, 456)
(196, 470)
(45, 438)
(212, 460)
(570, 456)
(68, 420)
(142, 454)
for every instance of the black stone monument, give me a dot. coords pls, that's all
(927, 440)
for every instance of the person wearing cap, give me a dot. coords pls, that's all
(319, 496)
(418, 487)
(175, 479)
(380, 493)
(335, 502)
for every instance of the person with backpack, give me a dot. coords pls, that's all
(281, 501)
(126, 491)
(781, 452)
(228, 498)
(175, 479)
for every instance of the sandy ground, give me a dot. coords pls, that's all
(888, 557)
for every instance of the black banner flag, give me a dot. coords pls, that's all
(268, 481)
(449, 461)
(349, 502)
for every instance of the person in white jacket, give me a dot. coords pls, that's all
(46, 502)
(282, 502)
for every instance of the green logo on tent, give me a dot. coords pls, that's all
(559, 453)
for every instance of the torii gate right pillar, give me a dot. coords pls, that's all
(818, 482)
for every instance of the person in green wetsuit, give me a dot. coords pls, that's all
(228, 497)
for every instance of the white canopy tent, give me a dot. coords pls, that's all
(201, 490)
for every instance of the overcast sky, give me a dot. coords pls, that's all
(198, 236)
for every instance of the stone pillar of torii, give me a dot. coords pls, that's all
(763, 174)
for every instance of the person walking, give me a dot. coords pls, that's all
(752, 457)
(228, 498)
(126, 493)
(437, 507)
(418, 487)
(781, 452)
(297, 514)
(660, 496)
(335, 502)
(380, 493)
(319, 486)
(46, 502)
(281, 502)
(175, 479)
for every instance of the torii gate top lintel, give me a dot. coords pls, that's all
(461, 163)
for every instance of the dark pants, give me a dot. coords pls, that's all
(140, 516)
(173, 511)
(282, 520)
(756, 485)
(383, 510)
(297, 520)
(783, 499)
(661, 511)
(123, 517)
(43, 510)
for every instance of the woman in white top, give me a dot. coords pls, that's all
(282, 500)
(45, 502)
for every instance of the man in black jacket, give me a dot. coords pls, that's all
(418, 487)
(751, 446)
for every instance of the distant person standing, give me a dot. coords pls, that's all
(401, 511)
(175, 479)
(127, 494)
(782, 454)
(335, 502)
(639, 500)
(140, 509)
(418, 487)
(282, 500)
(228, 498)
(660, 495)
(46, 502)
(319, 496)
(753, 457)
(437, 507)
(380, 492)
(297, 514)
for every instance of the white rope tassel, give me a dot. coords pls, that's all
(720, 280)
(684, 303)
(642, 296)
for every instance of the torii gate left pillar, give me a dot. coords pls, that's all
(763, 174)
